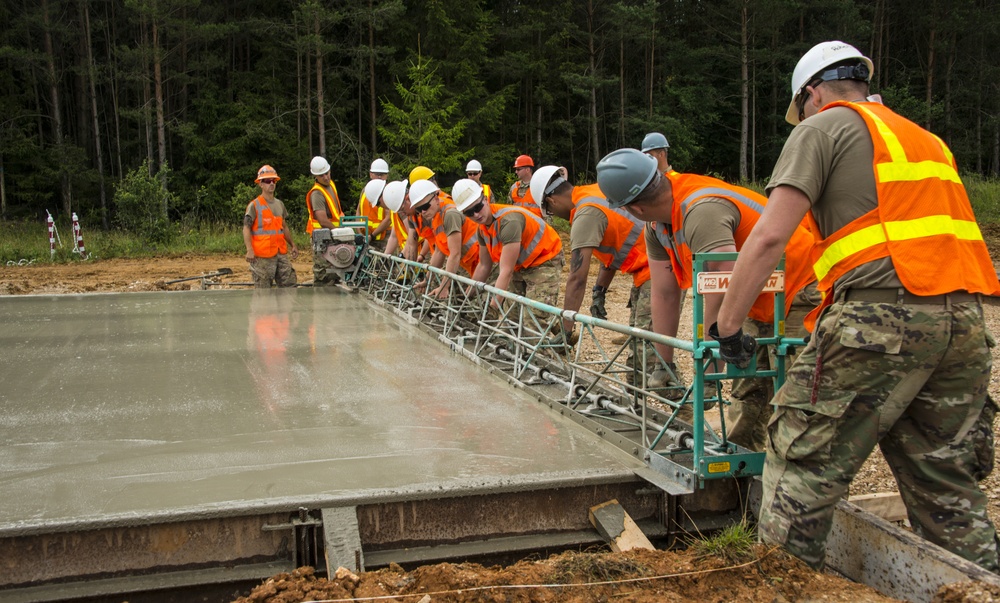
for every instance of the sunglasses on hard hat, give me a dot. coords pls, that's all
(475, 209)
(267, 180)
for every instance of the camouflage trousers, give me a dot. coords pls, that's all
(272, 272)
(323, 273)
(751, 398)
(540, 283)
(910, 378)
(641, 316)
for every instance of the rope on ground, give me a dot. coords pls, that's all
(540, 586)
(20, 262)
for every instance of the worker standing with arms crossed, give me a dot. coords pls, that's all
(324, 208)
(266, 237)
(900, 353)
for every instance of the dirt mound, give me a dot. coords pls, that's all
(639, 576)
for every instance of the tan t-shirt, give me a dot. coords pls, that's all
(511, 228)
(829, 158)
(588, 228)
(708, 224)
(277, 208)
(452, 221)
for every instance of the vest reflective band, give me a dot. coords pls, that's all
(332, 207)
(539, 242)
(267, 235)
(375, 215)
(623, 246)
(520, 196)
(923, 221)
(470, 244)
(689, 189)
(488, 193)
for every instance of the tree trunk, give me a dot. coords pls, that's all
(592, 52)
(372, 104)
(744, 92)
(65, 185)
(92, 76)
(621, 91)
(147, 98)
(651, 72)
(930, 76)
(3, 191)
(114, 93)
(320, 113)
(161, 131)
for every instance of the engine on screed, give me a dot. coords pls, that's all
(343, 248)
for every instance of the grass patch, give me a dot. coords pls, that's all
(734, 544)
(571, 568)
(984, 195)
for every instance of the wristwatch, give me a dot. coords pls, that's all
(598, 289)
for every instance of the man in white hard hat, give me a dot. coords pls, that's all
(656, 146)
(614, 237)
(474, 172)
(527, 250)
(900, 354)
(379, 221)
(396, 199)
(451, 237)
(324, 212)
(266, 235)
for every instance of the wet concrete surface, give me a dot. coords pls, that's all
(123, 407)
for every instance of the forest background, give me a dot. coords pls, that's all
(153, 115)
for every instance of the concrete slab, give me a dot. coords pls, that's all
(119, 408)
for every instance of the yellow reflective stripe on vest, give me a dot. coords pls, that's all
(929, 226)
(901, 170)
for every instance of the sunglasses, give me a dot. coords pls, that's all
(475, 209)
(422, 208)
(268, 181)
(472, 173)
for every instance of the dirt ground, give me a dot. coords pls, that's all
(659, 576)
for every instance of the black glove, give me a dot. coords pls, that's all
(736, 349)
(597, 302)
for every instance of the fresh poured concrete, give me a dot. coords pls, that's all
(122, 408)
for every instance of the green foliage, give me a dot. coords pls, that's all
(734, 543)
(984, 195)
(139, 202)
(426, 129)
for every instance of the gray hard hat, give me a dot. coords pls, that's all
(623, 174)
(654, 140)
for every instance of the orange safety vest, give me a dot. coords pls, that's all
(439, 239)
(691, 188)
(539, 241)
(923, 221)
(374, 215)
(524, 199)
(332, 207)
(267, 234)
(623, 246)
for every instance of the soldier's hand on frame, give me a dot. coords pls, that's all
(736, 349)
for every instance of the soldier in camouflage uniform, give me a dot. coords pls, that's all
(266, 236)
(900, 356)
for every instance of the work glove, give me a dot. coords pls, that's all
(597, 302)
(736, 349)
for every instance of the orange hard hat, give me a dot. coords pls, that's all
(266, 171)
(523, 160)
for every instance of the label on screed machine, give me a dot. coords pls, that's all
(718, 467)
(718, 282)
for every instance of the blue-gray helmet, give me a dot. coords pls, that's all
(654, 140)
(625, 173)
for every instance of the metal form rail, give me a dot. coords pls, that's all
(594, 378)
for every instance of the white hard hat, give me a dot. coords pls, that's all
(465, 193)
(544, 181)
(379, 166)
(373, 190)
(393, 195)
(420, 189)
(819, 57)
(319, 166)
(474, 166)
